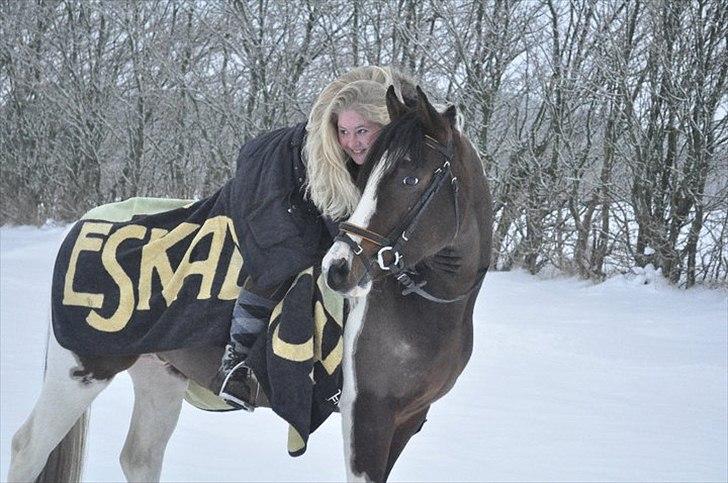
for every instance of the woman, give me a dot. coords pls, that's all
(298, 183)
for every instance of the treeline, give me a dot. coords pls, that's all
(602, 125)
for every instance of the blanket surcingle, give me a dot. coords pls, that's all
(149, 275)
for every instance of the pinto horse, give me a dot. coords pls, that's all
(424, 218)
(407, 338)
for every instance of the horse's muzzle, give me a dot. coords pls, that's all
(337, 274)
(342, 274)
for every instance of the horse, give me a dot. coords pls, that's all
(425, 189)
(407, 338)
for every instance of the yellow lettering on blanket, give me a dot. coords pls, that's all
(153, 257)
(84, 243)
(217, 226)
(333, 360)
(123, 311)
(230, 289)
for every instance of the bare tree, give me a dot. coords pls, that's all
(602, 125)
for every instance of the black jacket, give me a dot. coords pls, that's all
(166, 284)
(280, 232)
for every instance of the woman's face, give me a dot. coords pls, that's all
(356, 134)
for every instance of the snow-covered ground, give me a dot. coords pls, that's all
(569, 381)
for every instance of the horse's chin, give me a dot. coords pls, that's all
(360, 290)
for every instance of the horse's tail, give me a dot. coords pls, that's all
(65, 463)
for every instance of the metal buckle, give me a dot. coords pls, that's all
(380, 258)
(358, 249)
(348, 240)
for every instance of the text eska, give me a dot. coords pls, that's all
(153, 258)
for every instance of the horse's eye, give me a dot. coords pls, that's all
(410, 180)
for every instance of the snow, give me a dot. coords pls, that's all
(569, 381)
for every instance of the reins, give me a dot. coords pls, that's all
(401, 234)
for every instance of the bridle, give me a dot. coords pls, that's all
(389, 257)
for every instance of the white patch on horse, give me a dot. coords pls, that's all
(338, 251)
(158, 394)
(368, 203)
(361, 217)
(352, 329)
(63, 400)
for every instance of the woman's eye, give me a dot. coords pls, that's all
(410, 180)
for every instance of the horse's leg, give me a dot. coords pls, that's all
(158, 393)
(59, 415)
(368, 430)
(405, 430)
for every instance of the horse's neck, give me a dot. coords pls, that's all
(456, 268)
(477, 198)
(480, 203)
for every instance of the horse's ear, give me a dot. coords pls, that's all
(451, 114)
(394, 106)
(431, 119)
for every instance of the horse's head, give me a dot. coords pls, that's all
(409, 209)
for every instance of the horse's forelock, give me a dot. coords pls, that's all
(403, 136)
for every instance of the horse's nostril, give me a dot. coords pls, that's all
(338, 271)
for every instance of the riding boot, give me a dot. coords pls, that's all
(234, 382)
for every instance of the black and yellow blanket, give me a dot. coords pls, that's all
(299, 362)
(148, 275)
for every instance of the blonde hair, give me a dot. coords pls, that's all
(363, 90)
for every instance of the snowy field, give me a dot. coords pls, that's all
(569, 381)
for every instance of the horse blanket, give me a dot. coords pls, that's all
(148, 275)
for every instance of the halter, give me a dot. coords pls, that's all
(402, 233)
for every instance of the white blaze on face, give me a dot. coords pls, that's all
(361, 217)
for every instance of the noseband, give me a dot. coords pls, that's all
(389, 257)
